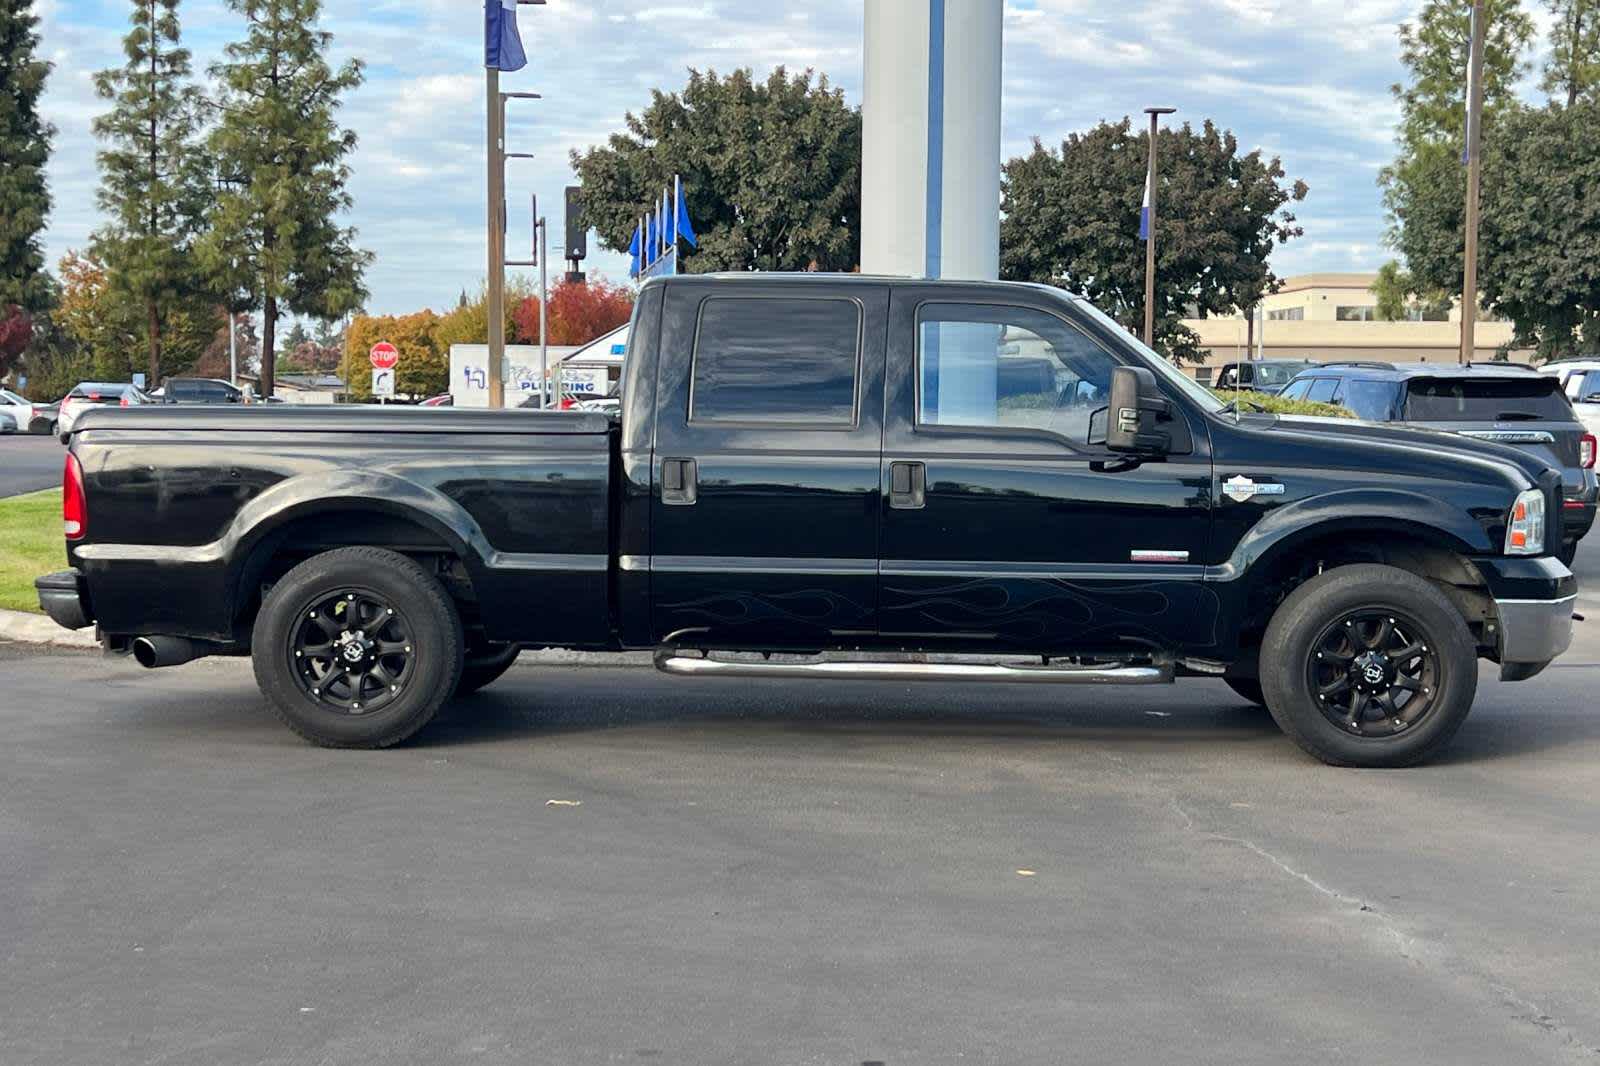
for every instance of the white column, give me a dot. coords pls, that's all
(930, 188)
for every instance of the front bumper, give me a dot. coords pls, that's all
(1534, 631)
(64, 598)
(1533, 601)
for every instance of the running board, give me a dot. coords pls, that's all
(671, 661)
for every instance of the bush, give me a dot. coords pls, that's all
(1279, 406)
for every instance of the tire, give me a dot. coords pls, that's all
(1248, 688)
(485, 667)
(405, 628)
(1568, 553)
(65, 438)
(1344, 611)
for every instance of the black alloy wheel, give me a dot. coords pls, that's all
(353, 651)
(1373, 673)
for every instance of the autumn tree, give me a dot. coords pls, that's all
(580, 311)
(1071, 219)
(155, 183)
(424, 368)
(771, 171)
(25, 288)
(275, 237)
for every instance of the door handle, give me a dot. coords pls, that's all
(908, 486)
(680, 482)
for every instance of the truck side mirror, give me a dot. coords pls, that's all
(1136, 406)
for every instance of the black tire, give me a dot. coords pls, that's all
(415, 648)
(484, 666)
(1442, 676)
(1248, 688)
(1568, 553)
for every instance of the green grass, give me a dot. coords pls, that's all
(30, 545)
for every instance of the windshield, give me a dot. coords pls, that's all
(1183, 382)
(1527, 399)
(10, 397)
(1276, 374)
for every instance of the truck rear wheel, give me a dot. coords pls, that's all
(1368, 666)
(357, 648)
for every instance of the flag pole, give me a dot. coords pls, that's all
(1474, 139)
(1155, 114)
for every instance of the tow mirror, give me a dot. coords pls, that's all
(1136, 407)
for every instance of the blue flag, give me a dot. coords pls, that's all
(502, 44)
(1144, 212)
(685, 227)
(636, 252)
(651, 238)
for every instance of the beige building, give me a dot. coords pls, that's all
(1330, 317)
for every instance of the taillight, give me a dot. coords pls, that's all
(74, 509)
(1586, 450)
(124, 401)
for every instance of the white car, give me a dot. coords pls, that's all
(1580, 380)
(16, 411)
(95, 394)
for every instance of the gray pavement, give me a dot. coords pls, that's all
(29, 462)
(599, 865)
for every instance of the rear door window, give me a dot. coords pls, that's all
(1533, 398)
(1371, 400)
(1323, 390)
(1297, 390)
(785, 360)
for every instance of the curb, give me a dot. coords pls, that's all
(20, 627)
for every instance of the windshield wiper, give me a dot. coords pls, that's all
(1516, 416)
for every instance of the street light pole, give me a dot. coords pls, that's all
(1469, 286)
(495, 285)
(1155, 114)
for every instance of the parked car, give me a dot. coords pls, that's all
(444, 399)
(200, 390)
(1580, 379)
(1260, 375)
(8, 421)
(1503, 402)
(815, 463)
(92, 394)
(23, 415)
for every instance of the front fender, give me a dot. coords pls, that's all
(1355, 510)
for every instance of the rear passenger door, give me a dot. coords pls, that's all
(765, 486)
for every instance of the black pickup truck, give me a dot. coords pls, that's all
(951, 481)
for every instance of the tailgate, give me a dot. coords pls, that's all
(1526, 412)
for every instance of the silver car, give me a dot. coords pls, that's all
(96, 394)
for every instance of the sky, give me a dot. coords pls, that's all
(1306, 80)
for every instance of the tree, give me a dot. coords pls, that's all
(154, 183)
(1541, 228)
(25, 288)
(771, 172)
(1424, 189)
(1573, 67)
(1071, 219)
(580, 311)
(423, 370)
(275, 237)
(101, 322)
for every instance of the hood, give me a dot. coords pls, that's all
(1436, 442)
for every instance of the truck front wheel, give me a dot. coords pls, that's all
(485, 665)
(357, 648)
(1368, 666)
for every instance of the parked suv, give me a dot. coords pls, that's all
(200, 390)
(1260, 375)
(1504, 402)
(1580, 379)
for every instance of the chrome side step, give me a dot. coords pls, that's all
(673, 661)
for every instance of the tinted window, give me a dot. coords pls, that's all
(1297, 391)
(1323, 390)
(979, 365)
(1530, 398)
(1372, 400)
(776, 360)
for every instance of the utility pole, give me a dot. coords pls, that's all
(496, 282)
(1155, 114)
(544, 308)
(1469, 287)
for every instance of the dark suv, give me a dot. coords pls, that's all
(1504, 402)
(200, 390)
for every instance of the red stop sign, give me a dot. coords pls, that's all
(384, 355)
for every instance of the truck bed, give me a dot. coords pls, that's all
(187, 504)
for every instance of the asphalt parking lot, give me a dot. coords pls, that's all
(593, 865)
(29, 462)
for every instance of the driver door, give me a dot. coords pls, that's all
(1000, 521)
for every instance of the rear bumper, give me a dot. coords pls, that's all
(1577, 516)
(63, 597)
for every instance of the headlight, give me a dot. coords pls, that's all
(1525, 530)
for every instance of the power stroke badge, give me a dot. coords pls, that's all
(1239, 488)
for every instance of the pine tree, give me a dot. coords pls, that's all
(25, 288)
(1573, 69)
(275, 235)
(154, 183)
